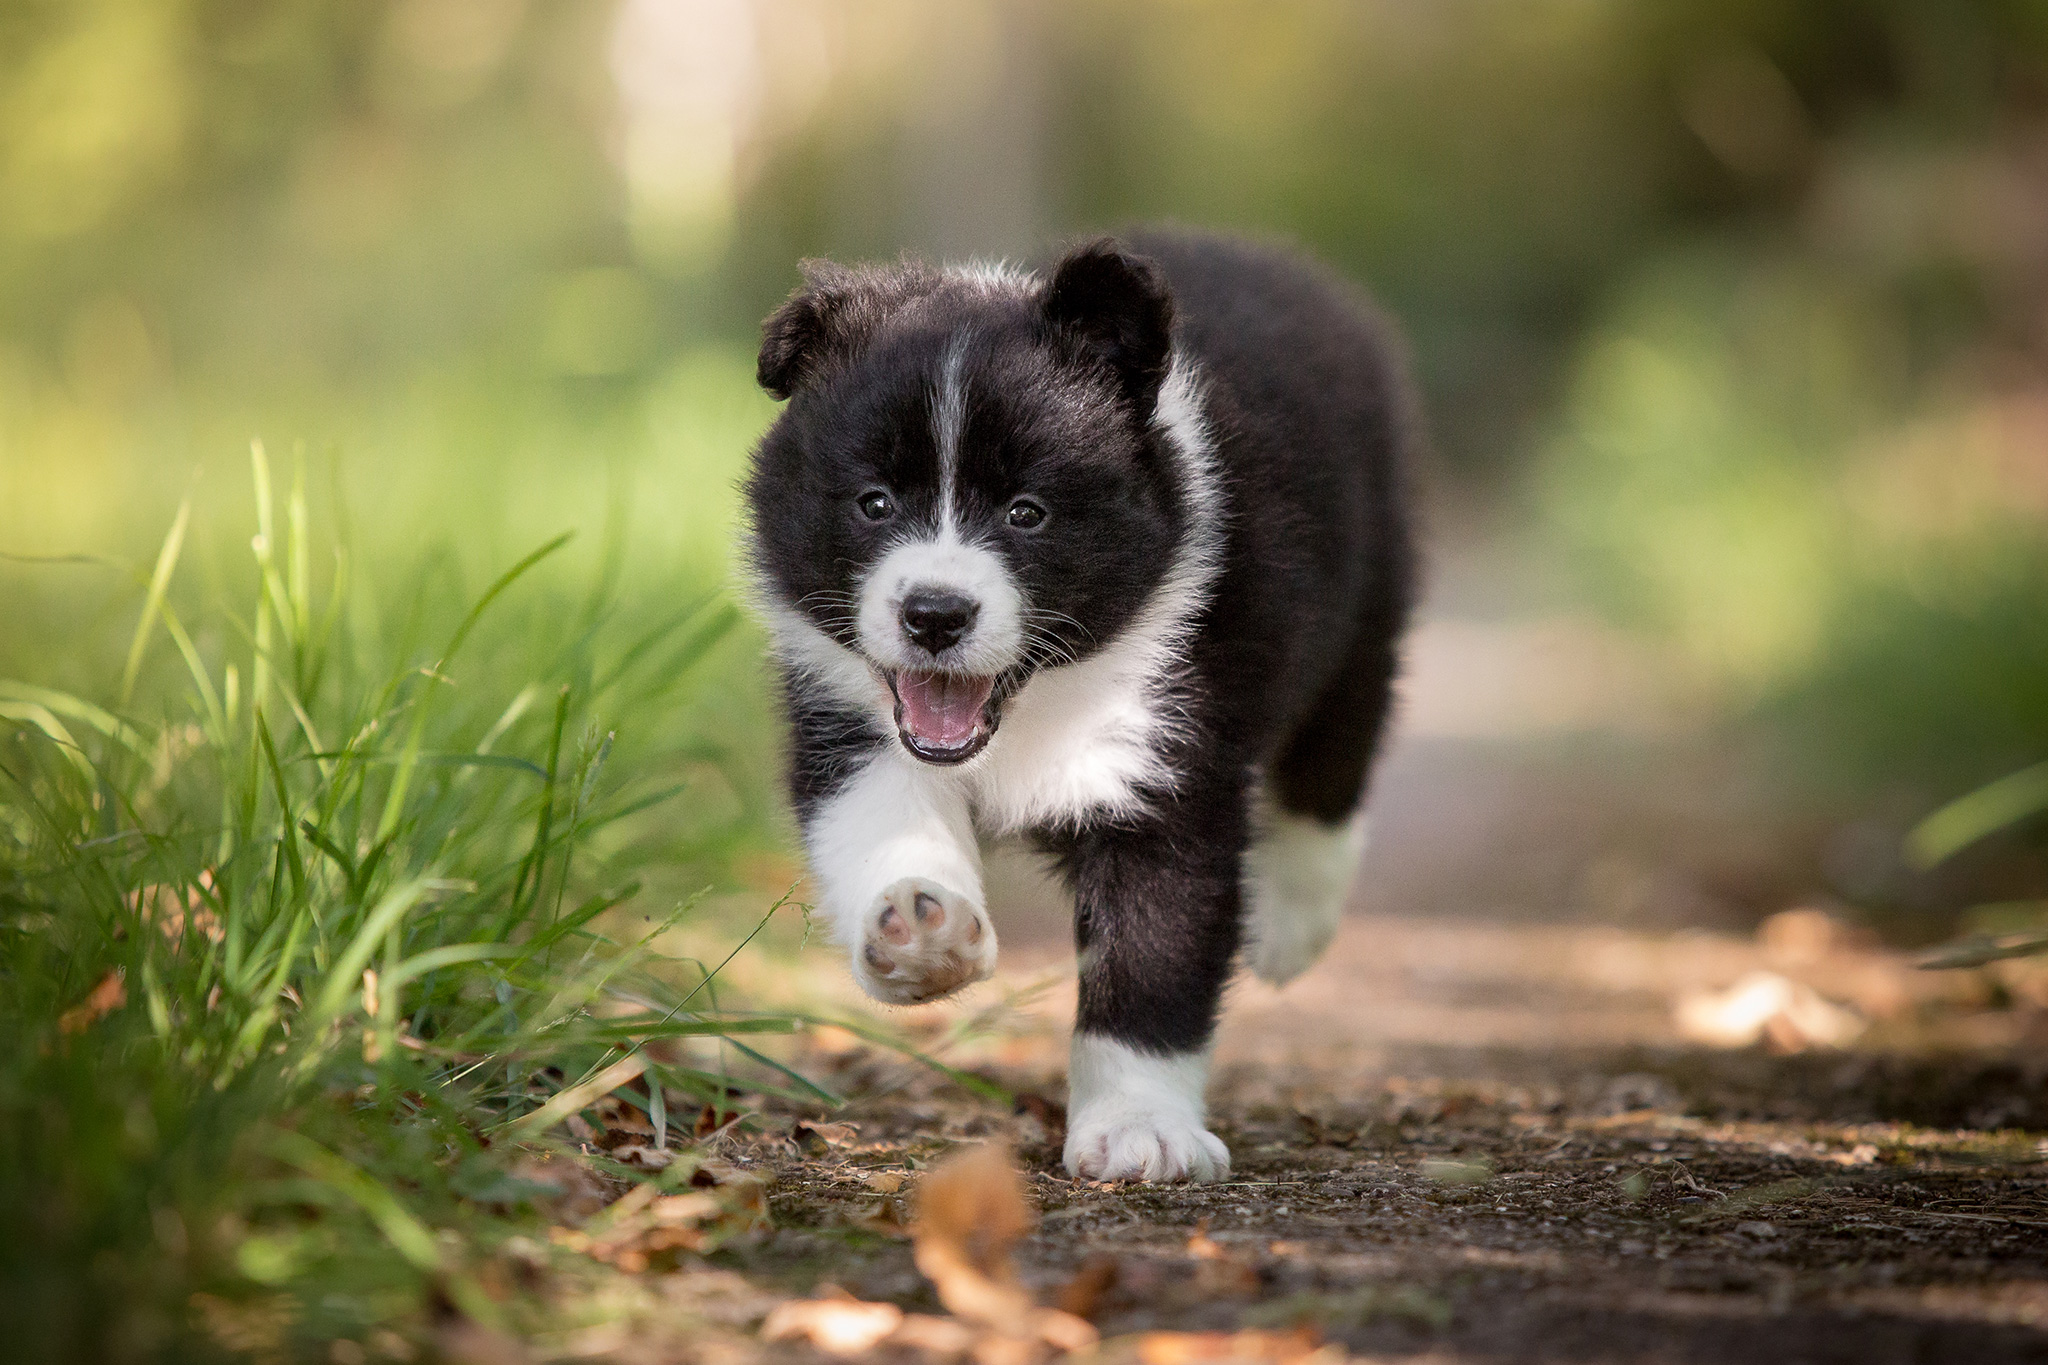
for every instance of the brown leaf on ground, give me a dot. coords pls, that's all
(621, 1121)
(645, 1229)
(1051, 1117)
(818, 1139)
(1201, 1348)
(644, 1155)
(949, 1338)
(1806, 934)
(884, 1216)
(109, 995)
(711, 1118)
(971, 1210)
(840, 1327)
(1764, 1005)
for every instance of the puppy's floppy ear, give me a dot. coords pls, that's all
(797, 335)
(1117, 308)
(829, 319)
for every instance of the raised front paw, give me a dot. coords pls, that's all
(920, 942)
(1128, 1141)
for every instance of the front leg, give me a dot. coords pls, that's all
(1156, 911)
(893, 852)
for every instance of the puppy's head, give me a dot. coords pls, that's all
(967, 484)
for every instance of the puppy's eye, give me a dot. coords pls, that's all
(876, 506)
(1026, 514)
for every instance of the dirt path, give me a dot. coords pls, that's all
(1474, 1132)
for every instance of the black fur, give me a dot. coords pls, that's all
(1289, 672)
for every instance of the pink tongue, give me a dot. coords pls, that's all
(941, 709)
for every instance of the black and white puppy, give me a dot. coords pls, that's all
(1115, 556)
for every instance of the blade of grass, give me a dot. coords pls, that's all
(809, 1086)
(344, 976)
(1967, 819)
(259, 678)
(442, 760)
(578, 1096)
(52, 729)
(580, 916)
(967, 1080)
(290, 838)
(657, 1110)
(433, 959)
(64, 704)
(216, 714)
(534, 864)
(395, 802)
(153, 600)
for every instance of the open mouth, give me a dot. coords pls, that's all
(943, 717)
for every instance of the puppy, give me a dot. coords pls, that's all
(1115, 556)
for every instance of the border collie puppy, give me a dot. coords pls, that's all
(1115, 556)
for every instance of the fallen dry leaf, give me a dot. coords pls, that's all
(621, 1121)
(644, 1155)
(711, 1118)
(817, 1139)
(109, 995)
(971, 1210)
(1804, 935)
(1263, 1348)
(1050, 1116)
(884, 1216)
(644, 1227)
(1790, 1016)
(947, 1337)
(840, 1327)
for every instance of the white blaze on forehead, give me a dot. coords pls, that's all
(944, 562)
(949, 415)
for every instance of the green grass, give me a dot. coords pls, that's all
(308, 922)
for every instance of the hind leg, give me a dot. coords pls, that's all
(1298, 878)
(1311, 818)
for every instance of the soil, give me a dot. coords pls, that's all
(1474, 1132)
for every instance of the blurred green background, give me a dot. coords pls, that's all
(1734, 311)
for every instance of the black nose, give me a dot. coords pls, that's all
(936, 620)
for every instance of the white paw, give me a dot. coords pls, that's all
(1287, 940)
(1301, 872)
(920, 941)
(1125, 1141)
